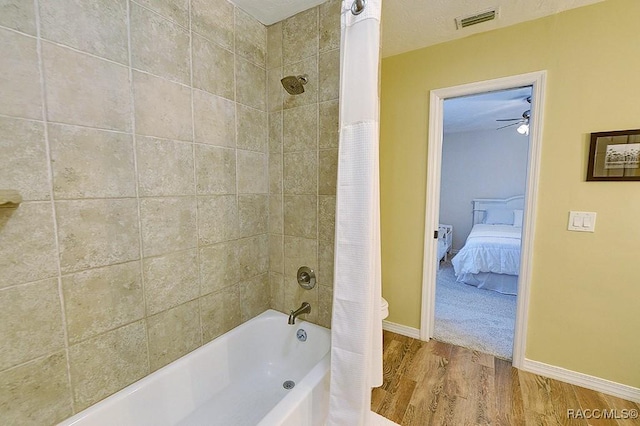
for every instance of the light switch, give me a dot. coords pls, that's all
(582, 221)
(578, 221)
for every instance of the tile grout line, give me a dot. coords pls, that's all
(317, 194)
(236, 235)
(282, 169)
(53, 203)
(137, 185)
(195, 179)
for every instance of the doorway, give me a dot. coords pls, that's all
(436, 123)
(483, 173)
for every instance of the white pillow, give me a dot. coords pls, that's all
(517, 218)
(498, 217)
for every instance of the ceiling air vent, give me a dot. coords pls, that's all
(466, 21)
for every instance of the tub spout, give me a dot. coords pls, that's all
(304, 309)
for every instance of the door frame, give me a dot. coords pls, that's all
(434, 162)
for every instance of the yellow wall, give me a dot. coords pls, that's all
(585, 289)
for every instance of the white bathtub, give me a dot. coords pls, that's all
(237, 379)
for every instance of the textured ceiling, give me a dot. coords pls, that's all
(480, 112)
(412, 24)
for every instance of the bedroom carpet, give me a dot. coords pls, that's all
(481, 320)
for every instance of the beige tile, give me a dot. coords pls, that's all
(275, 132)
(30, 322)
(23, 163)
(251, 84)
(20, 82)
(212, 68)
(325, 305)
(325, 263)
(253, 255)
(299, 252)
(19, 15)
(300, 128)
(168, 224)
(294, 296)
(162, 108)
(276, 253)
(217, 219)
(329, 25)
(102, 299)
(327, 171)
(255, 295)
(85, 90)
(28, 251)
(308, 66)
(300, 215)
(252, 172)
(252, 129)
(220, 312)
(214, 20)
(274, 45)
(176, 10)
(165, 167)
(326, 217)
(275, 90)
(219, 266)
(251, 38)
(89, 163)
(253, 214)
(215, 170)
(275, 173)
(107, 363)
(36, 393)
(96, 27)
(173, 333)
(276, 214)
(328, 122)
(94, 233)
(300, 36)
(159, 46)
(171, 280)
(214, 119)
(329, 76)
(300, 172)
(276, 291)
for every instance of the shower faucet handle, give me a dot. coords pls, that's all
(306, 278)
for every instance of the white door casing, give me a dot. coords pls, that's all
(434, 159)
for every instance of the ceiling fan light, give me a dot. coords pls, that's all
(523, 129)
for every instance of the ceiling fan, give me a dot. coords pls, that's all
(521, 122)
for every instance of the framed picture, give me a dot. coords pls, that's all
(614, 156)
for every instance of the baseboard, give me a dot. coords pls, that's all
(401, 329)
(584, 380)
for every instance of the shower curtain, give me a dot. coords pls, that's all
(356, 327)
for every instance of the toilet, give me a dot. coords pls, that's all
(384, 308)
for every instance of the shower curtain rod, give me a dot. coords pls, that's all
(358, 6)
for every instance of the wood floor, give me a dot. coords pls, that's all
(435, 383)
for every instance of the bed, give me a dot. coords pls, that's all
(490, 258)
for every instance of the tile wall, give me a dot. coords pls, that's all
(138, 135)
(303, 156)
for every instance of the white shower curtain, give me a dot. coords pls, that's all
(356, 327)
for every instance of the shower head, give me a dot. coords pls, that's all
(294, 85)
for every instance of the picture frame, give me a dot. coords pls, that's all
(614, 156)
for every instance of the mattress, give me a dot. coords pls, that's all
(490, 250)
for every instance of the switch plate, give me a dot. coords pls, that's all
(582, 221)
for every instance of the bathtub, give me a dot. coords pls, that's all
(236, 379)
